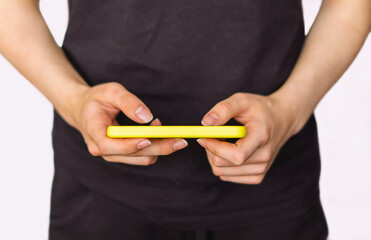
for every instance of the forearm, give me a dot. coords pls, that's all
(26, 42)
(333, 42)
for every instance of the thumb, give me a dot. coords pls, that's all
(128, 103)
(223, 111)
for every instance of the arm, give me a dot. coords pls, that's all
(27, 43)
(333, 42)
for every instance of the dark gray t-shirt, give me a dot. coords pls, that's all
(181, 57)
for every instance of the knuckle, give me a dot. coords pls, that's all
(114, 87)
(226, 107)
(106, 158)
(127, 100)
(266, 156)
(261, 170)
(215, 151)
(264, 135)
(94, 151)
(218, 161)
(256, 179)
(254, 126)
(109, 89)
(103, 148)
(114, 90)
(238, 95)
(216, 171)
(239, 158)
(146, 161)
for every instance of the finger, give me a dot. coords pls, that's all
(137, 160)
(141, 160)
(261, 155)
(156, 122)
(224, 150)
(164, 146)
(243, 170)
(115, 123)
(118, 96)
(217, 161)
(97, 130)
(241, 150)
(223, 111)
(154, 159)
(253, 179)
(92, 147)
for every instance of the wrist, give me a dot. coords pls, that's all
(71, 103)
(293, 107)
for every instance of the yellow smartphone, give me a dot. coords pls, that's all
(176, 131)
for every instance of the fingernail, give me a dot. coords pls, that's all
(180, 144)
(158, 122)
(143, 144)
(202, 143)
(144, 114)
(209, 119)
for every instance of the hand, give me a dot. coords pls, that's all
(269, 124)
(98, 109)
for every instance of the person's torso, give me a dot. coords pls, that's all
(181, 57)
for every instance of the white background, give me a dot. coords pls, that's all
(26, 170)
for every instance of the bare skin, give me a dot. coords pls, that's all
(333, 42)
(27, 43)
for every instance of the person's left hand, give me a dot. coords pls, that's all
(269, 124)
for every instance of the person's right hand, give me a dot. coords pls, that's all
(98, 109)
